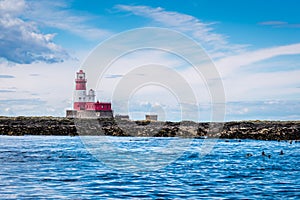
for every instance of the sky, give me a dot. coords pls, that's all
(254, 45)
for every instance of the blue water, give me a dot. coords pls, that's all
(55, 167)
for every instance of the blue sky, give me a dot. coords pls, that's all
(255, 46)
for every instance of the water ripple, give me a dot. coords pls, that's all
(39, 167)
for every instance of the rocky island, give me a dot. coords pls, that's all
(260, 130)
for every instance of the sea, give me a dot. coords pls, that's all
(91, 167)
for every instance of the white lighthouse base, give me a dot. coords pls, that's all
(89, 114)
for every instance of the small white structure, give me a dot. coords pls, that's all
(151, 117)
(122, 117)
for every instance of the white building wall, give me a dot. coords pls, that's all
(91, 96)
(80, 96)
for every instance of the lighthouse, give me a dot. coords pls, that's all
(80, 91)
(84, 105)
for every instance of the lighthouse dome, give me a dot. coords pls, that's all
(91, 92)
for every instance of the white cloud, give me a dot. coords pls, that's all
(263, 110)
(242, 83)
(216, 44)
(279, 24)
(272, 23)
(56, 14)
(228, 64)
(49, 93)
(21, 41)
(252, 76)
(12, 7)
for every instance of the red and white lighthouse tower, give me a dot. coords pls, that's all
(84, 103)
(80, 92)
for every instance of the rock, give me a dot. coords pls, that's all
(259, 130)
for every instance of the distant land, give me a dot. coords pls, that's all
(61, 126)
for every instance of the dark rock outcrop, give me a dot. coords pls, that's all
(36, 126)
(261, 130)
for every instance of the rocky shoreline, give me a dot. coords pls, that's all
(259, 130)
